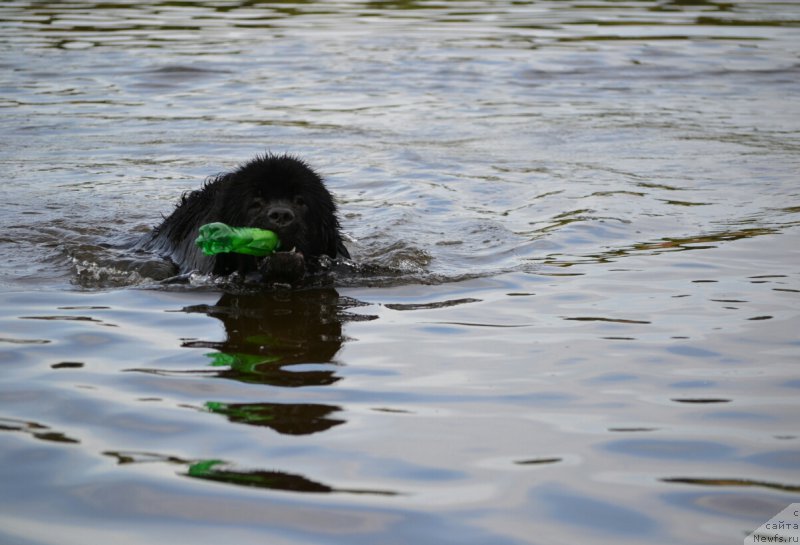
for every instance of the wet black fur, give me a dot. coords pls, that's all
(246, 197)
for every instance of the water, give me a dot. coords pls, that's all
(572, 314)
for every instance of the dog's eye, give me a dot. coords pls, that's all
(299, 201)
(256, 204)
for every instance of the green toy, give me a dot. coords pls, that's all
(218, 238)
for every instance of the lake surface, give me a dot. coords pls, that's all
(572, 313)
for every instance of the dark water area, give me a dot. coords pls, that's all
(573, 307)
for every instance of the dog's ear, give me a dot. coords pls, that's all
(325, 236)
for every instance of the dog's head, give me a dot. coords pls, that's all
(284, 195)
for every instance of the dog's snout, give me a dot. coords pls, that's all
(280, 216)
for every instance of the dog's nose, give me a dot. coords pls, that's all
(280, 216)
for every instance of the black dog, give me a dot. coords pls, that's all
(279, 193)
